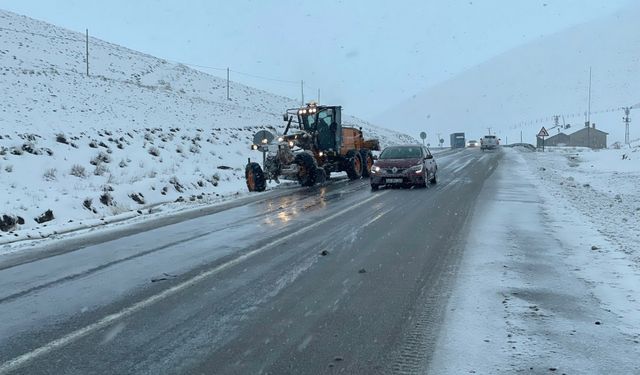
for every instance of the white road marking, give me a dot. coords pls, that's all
(23, 359)
(378, 216)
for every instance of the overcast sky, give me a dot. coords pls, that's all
(364, 55)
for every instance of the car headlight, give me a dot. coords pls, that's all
(375, 169)
(416, 168)
(290, 143)
(254, 147)
(280, 139)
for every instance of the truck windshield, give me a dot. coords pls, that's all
(309, 122)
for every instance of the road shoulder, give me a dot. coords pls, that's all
(531, 295)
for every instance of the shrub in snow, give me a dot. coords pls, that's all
(100, 170)
(148, 137)
(50, 174)
(78, 171)
(179, 149)
(215, 179)
(9, 223)
(137, 197)
(101, 158)
(61, 138)
(46, 216)
(87, 203)
(16, 151)
(122, 163)
(154, 151)
(30, 148)
(8, 168)
(195, 149)
(106, 199)
(93, 144)
(176, 184)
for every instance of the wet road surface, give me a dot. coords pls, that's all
(328, 279)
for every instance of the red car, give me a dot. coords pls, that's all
(405, 165)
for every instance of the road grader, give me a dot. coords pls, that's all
(314, 144)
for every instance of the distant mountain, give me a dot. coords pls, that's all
(523, 88)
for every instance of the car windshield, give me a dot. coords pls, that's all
(401, 153)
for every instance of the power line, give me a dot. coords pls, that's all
(197, 66)
(265, 78)
(54, 37)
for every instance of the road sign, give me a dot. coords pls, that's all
(423, 135)
(543, 133)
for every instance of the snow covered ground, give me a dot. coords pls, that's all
(137, 136)
(549, 282)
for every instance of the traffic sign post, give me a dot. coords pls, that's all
(423, 135)
(542, 134)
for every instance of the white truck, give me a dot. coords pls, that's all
(489, 142)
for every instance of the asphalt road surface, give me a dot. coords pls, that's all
(330, 279)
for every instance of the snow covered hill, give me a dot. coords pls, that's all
(523, 88)
(139, 131)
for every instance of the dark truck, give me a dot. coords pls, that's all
(457, 140)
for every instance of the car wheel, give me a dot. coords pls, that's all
(374, 187)
(433, 180)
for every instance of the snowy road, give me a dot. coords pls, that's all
(247, 290)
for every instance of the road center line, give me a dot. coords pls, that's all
(23, 359)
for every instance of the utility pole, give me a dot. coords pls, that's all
(228, 97)
(489, 129)
(589, 108)
(302, 92)
(87, 50)
(589, 113)
(318, 96)
(556, 122)
(438, 134)
(521, 136)
(627, 120)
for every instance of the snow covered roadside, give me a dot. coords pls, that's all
(532, 295)
(138, 138)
